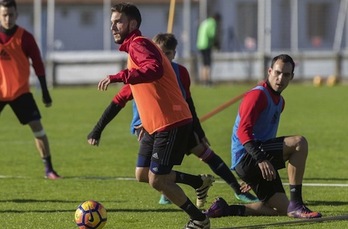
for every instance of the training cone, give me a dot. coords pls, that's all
(317, 81)
(331, 81)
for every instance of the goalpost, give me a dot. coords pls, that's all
(171, 16)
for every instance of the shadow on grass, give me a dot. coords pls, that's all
(23, 201)
(98, 178)
(287, 224)
(108, 210)
(326, 203)
(33, 211)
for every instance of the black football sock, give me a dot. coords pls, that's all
(193, 180)
(48, 164)
(296, 193)
(192, 210)
(220, 168)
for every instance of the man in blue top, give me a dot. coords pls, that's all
(258, 154)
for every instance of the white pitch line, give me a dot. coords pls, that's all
(312, 184)
(323, 185)
(12, 177)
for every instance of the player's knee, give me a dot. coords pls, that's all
(142, 178)
(301, 144)
(206, 154)
(156, 183)
(142, 175)
(39, 134)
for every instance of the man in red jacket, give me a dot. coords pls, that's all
(165, 115)
(17, 46)
(198, 142)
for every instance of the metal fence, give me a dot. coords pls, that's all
(314, 32)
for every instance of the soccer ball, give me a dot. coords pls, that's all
(90, 215)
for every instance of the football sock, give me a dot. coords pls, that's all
(109, 113)
(192, 210)
(193, 180)
(220, 168)
(48, 164)
(296, 193)
(235, 210)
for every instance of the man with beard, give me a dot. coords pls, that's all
(198, 142)
(258, 154)
(165, 115)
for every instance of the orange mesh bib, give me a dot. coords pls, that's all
(14, 68)
(160, 103)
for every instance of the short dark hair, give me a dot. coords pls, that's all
(130, 10)
(217, 16)
(168, 40)
(8, 3)
(285, 58)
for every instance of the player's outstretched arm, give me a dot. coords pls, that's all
(118, 102)
(110, 113)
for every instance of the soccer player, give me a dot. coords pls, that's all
(165, 115)
(257, 154)
(199, 144)
(17, 46)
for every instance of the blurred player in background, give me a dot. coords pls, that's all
(17, 46)
(257, 154)
(165, 115)
(207, 39)
(198, 142)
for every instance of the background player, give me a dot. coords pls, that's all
(18, 46)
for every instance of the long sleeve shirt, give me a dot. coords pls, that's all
(154, 85)
(257, 119)
(17, 47)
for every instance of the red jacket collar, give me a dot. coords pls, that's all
(125, 45)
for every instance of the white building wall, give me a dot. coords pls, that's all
(71, 34)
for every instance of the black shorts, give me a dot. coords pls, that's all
(249, 171)
(24, 107)
(206, 56)
(193, 141)
(162, 150)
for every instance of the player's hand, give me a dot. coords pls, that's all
(93, 138)
(104, 83)
(46, 99)
(139, 132)
(267, 170)
(93, 142)
(244, 187)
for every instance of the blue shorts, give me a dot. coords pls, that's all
(162, 150)
(24, 107)
(249, 171)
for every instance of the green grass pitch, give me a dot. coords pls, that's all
(102, 173)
